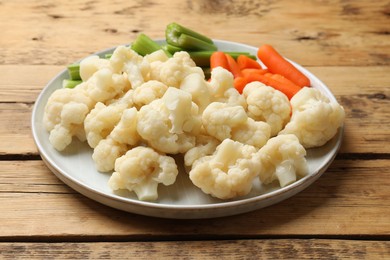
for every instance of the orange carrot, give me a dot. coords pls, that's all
(279, 65)
(244, 62)
(233, 66)
(218, 59)
(248, 71)
(289, 91)
(240, 83)
(282, 80)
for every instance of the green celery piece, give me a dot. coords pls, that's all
(171, 49)
(190, 43)
(68, 83)
(174, 30)
(74, 71)
(144, 45)
(187, 39)
(107, 55)
(202, 58)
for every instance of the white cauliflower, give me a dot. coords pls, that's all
(106, 152)
(205, 145)
(196, 85)
(140, 170)
(227, 173)
(170, 124)
(64, 116)
(282, 158)
(125, 60)
(222, 89)
(158, 55)
(223, 121)
(99, 123)
(105, 85)
(121, 138)
(90, 65)
(125, 132)
(315, 120)
(66, 109)
(148, 91)
(267, 104)
(174, 70)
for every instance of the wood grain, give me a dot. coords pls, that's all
(333, 32)
(342, 202)
(227, 249)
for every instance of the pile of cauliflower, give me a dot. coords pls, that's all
(136, 112)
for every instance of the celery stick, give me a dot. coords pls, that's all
(74, 71)
(144, 45)
(171, 49)
(68, 83)
(190, 43)
(187, 39)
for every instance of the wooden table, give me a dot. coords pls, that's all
(344, 214)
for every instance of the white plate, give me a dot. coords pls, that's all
(182, 200)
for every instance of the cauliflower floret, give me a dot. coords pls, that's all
(125, 131)
(267, 104)
(223, 121)
(158, 55)
(196, 85)
(58, 100)
(222, 89)
(90, 65)
(205, 145)
(124, 59)
(99, 123)
(64, 115)
(282, 158)
(315, 120)
(252, 132)
(228, 173)
(174, 70)
(122, 137)
(148, 92)
(140, 170)
(169, 124)
(106, 152)
(105, 85)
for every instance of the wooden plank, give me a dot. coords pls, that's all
(350, 199)
(15, 130)
(225, 249)
(24, 83)
(366, 102)
(333, 32)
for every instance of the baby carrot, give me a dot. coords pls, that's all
(240, 83)
(244, 62)
(233, 66)
(248, 71)
(218, 59)
(282, 80)
(289, 91)
(279, 65)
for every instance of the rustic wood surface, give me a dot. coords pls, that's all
(345, 214)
